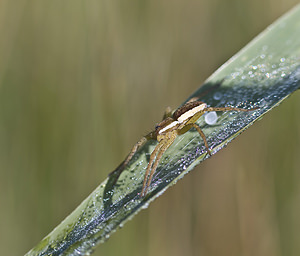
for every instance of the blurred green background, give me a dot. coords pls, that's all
(82, 81)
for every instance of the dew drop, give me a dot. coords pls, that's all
(217, 96)
(211, 118)
(262, 56)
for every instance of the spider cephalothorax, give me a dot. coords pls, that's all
(180, 117)
(173, 125)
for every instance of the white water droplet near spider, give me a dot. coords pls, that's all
(211, 118)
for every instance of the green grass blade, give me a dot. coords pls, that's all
(261, 75)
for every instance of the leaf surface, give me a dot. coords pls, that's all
(262, 75)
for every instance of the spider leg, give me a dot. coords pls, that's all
(151, 161)
(117, 172)
(203, 137)
(140, 143)
(209, 109)
(164, 145)
(187, 127)
(162, 150)
(114, 176)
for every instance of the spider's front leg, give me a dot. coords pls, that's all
(117, 172)
(114, 176)
(210, 109)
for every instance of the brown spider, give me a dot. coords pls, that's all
(172, 125)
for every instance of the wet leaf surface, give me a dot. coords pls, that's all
(263, 74)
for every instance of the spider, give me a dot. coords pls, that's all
(173, 124)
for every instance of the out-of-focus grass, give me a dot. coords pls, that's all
(80, 82)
